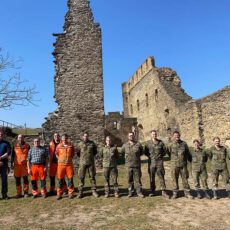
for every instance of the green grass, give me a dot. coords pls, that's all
(94, 213)
(28, 131)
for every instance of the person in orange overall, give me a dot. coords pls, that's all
(65, 153)
(37, 162)
(19, 163)
(53, 164)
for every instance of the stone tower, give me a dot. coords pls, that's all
(78, 76)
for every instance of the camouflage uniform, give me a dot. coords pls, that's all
(199, 159)
(219, 167)
(180, 155)
(110, 156)
(155, 152)
(86, 152)
(132, 152)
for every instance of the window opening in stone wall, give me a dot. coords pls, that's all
(156, 94)
(147, 100)
(166, 113)
(115, 125)
(138, 105)
(131, 109)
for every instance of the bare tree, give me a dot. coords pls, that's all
(13, 89)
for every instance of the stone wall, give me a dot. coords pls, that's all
(155, 97)
(78, 77)
(118, 127)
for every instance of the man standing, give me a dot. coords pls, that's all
(155, 150)
(86, 151)
(109, 154)
(65, 154)
(5, 151)
(219, 155)
(199, 159)
(37, 167)
(180, 155)
(132, 151)
(19, 163)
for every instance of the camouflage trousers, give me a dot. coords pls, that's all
(225, 176)
(81, 175)
(197, 175)
(134, 178)
(113, 172)
(160, 172)
(183, 172)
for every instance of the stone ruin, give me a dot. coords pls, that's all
(78, 76)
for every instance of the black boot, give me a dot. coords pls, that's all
(198, 192)
(207, 196)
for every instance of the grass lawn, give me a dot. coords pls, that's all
(114, 213)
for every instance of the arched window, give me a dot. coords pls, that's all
(131, 109)
(138, 105)
(147, 100)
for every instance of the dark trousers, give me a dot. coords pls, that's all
(3, 173)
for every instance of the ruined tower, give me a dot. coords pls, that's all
(78, 76)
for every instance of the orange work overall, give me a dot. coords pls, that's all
(20, 167)
(65, 155)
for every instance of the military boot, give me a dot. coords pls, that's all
(152, 193)
(80, 194)
(215, 197)
(165, 194)
(175, 195)
(95, 194)
(188, 195)
(207, 196)
(198, 192)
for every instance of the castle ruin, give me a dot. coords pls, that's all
(152, 98)
(155, 98)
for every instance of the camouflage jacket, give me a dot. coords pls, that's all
(219, 157)
(132, 153)
(199, 158)
(86, 152)
(109, 155)
(179, 153)
(155, 152)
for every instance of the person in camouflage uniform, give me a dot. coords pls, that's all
(179, 154)
(199, 159)
(218, 155)
(86, 151)
(109, 154)
(132, 151)
(155, 150)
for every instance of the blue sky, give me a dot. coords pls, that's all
(190, 36)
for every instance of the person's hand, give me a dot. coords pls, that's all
(29, 172)
(45, 170)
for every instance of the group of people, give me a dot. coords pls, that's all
(58, 158)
